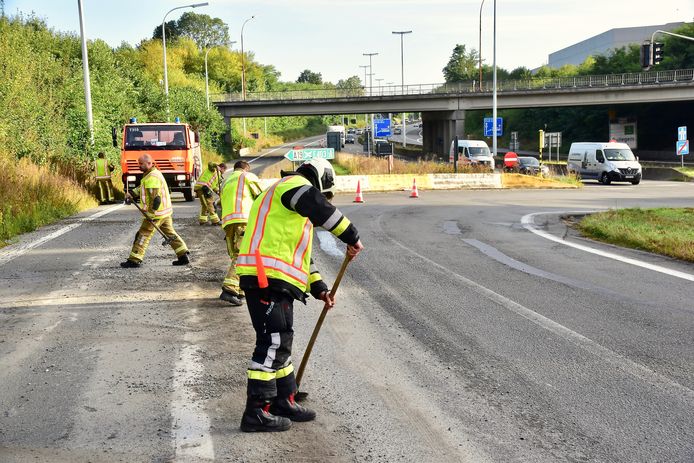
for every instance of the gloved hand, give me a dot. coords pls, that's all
(207, 191)
(128, 199)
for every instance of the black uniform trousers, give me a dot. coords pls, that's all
(271, 372)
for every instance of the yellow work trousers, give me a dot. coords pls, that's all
(144, 235)
(234, 233)
(207, 211)
(105, 190)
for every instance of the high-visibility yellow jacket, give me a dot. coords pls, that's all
(154, 184)
(101, 169)
(280, 228)
(239, 190)
(209, 178)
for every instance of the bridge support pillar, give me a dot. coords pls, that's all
(439, 128)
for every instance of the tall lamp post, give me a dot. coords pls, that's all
(480, 46)
(365, 67)
(85, 71)
(163, 40)
(402, 77)
(494, 102)
(371, 73)
(370, 55)
(380, 89)
(207, 85)
(243, 61)
(243, 71)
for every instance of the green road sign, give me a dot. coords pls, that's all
(307, 154)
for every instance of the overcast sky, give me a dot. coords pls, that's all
(330, 36)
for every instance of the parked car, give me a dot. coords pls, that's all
(529, 165)
(351, 130)
(350, 138)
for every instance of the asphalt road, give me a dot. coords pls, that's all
(463, 332)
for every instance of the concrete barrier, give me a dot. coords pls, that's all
(403, 182)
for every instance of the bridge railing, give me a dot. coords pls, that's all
(472, 87)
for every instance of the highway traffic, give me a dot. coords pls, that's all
(476, 326)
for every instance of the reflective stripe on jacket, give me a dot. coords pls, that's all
(283, 237)
(154, 184)
(101, 170)
(208, 179)
(238, 192)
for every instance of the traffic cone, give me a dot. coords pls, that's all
(415, 193)
(359, 198)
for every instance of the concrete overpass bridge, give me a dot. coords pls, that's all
(443, 106)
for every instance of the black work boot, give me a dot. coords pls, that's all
(288, 408)
(230, 297)
(130, 264)
(182, 260)
(257, 418)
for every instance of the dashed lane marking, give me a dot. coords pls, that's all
(190, 424)
(11, 254)
(614, 359)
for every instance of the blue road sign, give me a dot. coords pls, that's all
(682, 147)
(488, 127)
(382, 127)
(682, 133)
(307, 154)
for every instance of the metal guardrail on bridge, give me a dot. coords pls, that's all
(534, 84)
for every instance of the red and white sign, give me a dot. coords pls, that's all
(510, 159)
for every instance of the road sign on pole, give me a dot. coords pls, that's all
(489, 127)
(307, 154)
(382, 127)
(682, 147)
(682, 133)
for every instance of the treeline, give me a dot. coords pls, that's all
(576, 123)
(43, 126)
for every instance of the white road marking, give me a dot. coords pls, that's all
(190, 424)
(7, 256)
(529, 224)
(328, 243)
(62, 298)
(612, 358)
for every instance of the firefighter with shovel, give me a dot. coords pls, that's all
(275, 268)
(155, 206)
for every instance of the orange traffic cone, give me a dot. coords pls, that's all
(415, 193)
(359, 198)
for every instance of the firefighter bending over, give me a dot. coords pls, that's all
(155, 202)
(239, 190)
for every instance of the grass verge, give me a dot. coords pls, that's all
(33, 196)
(669, 232)
(509, 180)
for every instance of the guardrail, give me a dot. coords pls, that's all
(542, 84)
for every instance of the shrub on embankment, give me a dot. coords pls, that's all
(33, 196)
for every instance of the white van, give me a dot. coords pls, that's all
(472, 152)
(604, 162)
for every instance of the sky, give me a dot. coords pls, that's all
(330, 37)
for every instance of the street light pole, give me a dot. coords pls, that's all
(402, 77)
(480, 47)
(243, 61)
(207, 85)
(494, 144)
(85, 71)
(370, 55)
(163, 41)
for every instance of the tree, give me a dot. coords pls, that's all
(203, 29)
(310, 77)
(351, 85)
(462, 65)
